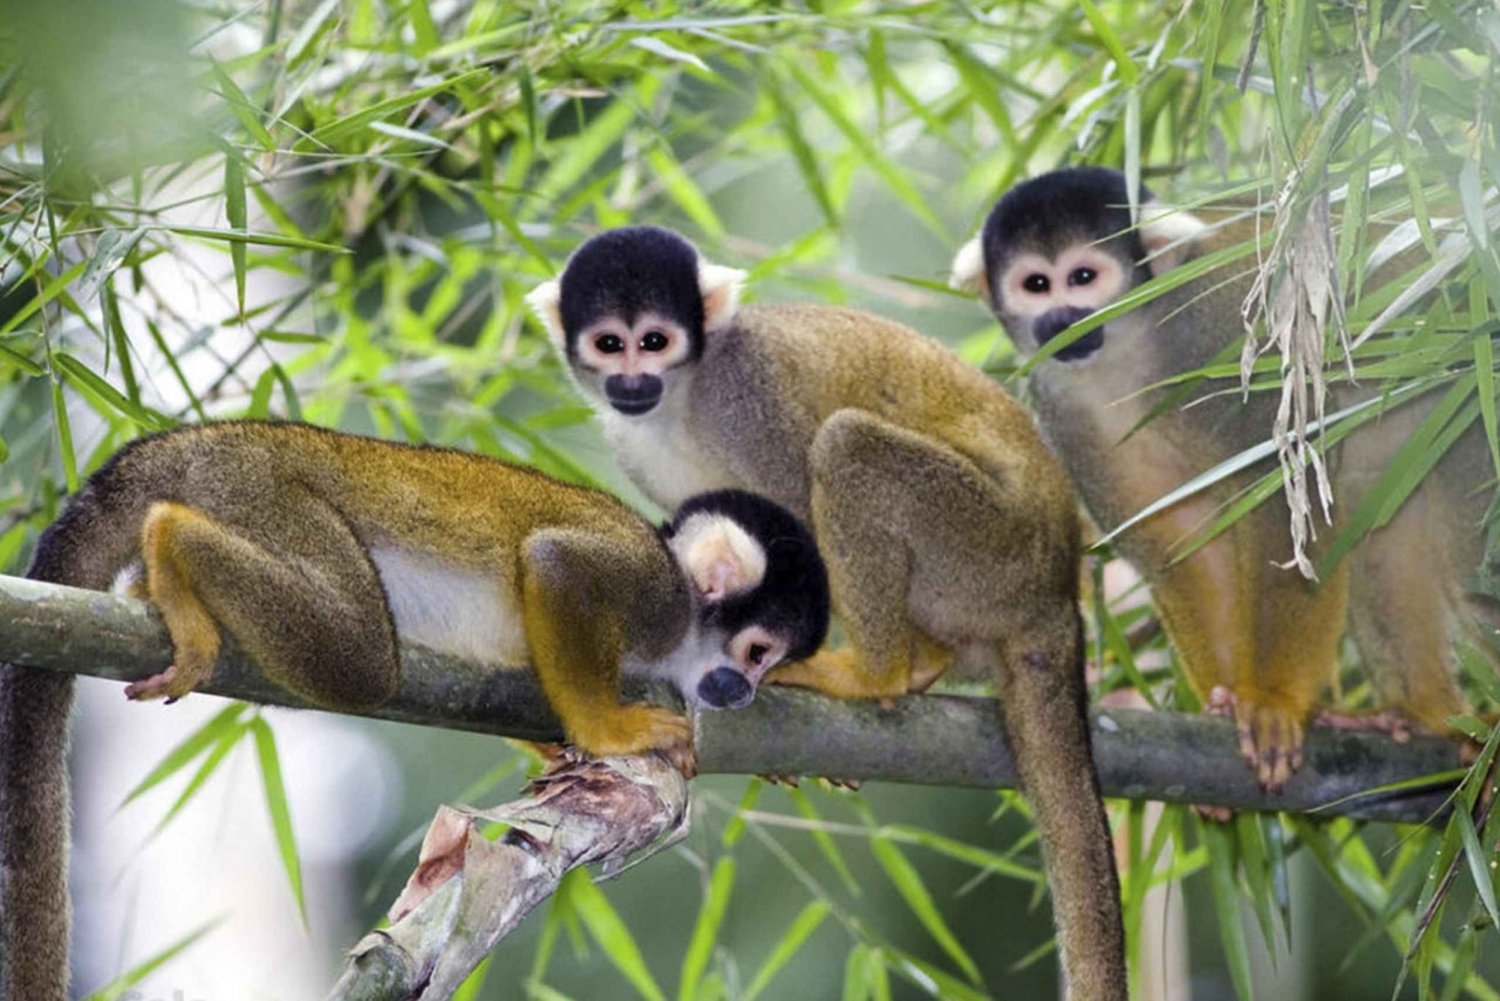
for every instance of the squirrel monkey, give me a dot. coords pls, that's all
(1253, 638)
(950, 532)
(316, 550)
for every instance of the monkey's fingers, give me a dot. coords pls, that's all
(1216, 814)
(1221, 702)
(1390, 721)
(1271, 741)
(781, 779)
(684, 757)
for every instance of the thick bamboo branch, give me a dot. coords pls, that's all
(932, 739)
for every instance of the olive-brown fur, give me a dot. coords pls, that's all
(264, 531)
(950, 533)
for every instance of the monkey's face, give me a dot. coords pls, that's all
(628, 363)
(762, 593)
(630, 313)
(1038, 297)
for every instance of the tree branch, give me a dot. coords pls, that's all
(930, 739)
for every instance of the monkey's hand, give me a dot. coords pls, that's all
(636, 729)
(1270, 736)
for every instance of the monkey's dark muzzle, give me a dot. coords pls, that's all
(1055, 321)
(726, 688)
(633, 394)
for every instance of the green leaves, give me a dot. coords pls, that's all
(276, 806)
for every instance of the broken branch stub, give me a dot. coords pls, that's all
(480, 872)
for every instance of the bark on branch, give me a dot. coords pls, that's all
(929, 739)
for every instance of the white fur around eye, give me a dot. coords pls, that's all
(1109, 278)
(720, 556)
(1017, 297)
(679, 345)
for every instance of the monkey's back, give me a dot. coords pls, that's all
(476, 508)
(831, 358)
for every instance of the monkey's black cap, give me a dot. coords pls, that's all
(792, 599)
(624, 272)
(1059, 209)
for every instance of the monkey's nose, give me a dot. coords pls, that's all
(1055, 321)
(726, 688)
(633, 394)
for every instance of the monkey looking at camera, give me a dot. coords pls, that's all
(950, 532)
(1254, 639)
(317, 551)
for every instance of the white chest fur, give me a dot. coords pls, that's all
(451, 609)
(659, 454)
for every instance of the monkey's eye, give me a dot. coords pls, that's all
(757, 652)
(654, 340)
(609, 344)
(1036, 283)
(1082, 276)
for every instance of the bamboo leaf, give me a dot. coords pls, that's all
(120, 987)
(279, 810)
(904, 876)
(612, 934)
(190, 747)
(706, 929)
(672, 53)
(1227, 907)
(798, 932)
(234, 211)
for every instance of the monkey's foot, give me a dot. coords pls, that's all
(1271, 742)
(636, 729)
(1390, 721)
(841, 674)
(784, 779)
(1270, 737)
(171, 684)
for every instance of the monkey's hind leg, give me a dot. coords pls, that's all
(576, 638)
(1403, 613)
(858, 461)
(1297, 640)
(298, 592)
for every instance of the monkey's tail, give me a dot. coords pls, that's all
(35, 916)
(1043, 702)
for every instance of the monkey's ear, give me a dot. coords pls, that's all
(546, 301)
(1169, 237)
(719, 556)
(968, 269)
(721, 294)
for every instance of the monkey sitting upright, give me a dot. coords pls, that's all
(316, 551)
(1252, 637)
(950, 532)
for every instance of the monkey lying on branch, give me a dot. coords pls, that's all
(316, 550)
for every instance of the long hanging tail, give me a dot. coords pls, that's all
(1043, 702)
(84, 549)
(34, 815)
